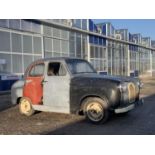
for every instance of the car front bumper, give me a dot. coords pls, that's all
(129, 107)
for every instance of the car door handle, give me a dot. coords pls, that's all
(44, 81)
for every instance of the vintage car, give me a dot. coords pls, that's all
(70, 85)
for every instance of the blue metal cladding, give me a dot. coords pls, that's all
(95, 28)
(104, 41)
(133, 48)
(97, 40)
(100, 41)
(5, 85)
(91, 25)
(91, 39)
(130, 37)
(104, 30)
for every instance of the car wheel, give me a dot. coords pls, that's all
(25, 106)
(96, 110)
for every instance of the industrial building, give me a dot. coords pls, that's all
(110, 51)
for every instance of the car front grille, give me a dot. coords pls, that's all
(131, 92)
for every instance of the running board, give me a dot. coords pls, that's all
(51, 109)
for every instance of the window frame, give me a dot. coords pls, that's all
(61, 64)
(33, 66)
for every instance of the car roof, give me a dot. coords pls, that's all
(57, 59)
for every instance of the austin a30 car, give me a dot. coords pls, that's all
(69, 85)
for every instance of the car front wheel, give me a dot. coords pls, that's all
(96, 110)
(25, 107)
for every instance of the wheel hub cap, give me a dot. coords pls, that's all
(95, 111)
(25, 106)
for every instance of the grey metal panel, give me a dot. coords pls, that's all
(37, 45)
(27, 44)
(14, 23)
(48, 44)
(16, 63)
(16, 42)
(4, 41)
(27, 60)
(56, 91)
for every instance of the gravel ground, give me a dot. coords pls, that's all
(139, 121)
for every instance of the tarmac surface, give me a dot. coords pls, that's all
(140, 121)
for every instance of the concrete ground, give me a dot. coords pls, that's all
(139, 121)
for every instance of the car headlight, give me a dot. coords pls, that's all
(140, 84)
(123, 87)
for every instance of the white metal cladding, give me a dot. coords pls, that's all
(92, 33)
(19, 49)
(49, 39)
(60, 42)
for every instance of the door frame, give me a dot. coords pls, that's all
(65, 108)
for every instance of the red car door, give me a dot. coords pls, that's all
(33, 88)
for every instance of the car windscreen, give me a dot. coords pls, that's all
(79, 66)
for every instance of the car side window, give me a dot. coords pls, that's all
(37, 70)
(56, 69)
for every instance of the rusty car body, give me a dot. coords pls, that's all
(70, 85)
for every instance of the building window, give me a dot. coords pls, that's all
(72, 36)
(3, 22)
(78, 45)
(96, 40)
(92, 54)
(17, 63)
(65, 46)
(97, 52)
(27, 61)
(48, 44)
(56, 45)
(25, 25)
(72, 47)
(56, 54)
(91, 39)
(37, 57)
(65, 54)
(37, 45)
(91, 25)
(14, 23)
(4, 41)
(16, 43)
(48, 54)
(47, 30)
(56, 33)
(64, 34)
(77, 23)
(100, 41)
(84, 46)
(36, 27)
(84, 24)
(6, 66)
(27, 44)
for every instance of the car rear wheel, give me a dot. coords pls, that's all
(96, 110)
(25, 107)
